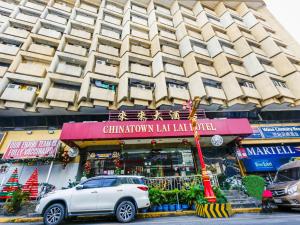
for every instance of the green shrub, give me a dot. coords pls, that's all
(14, 204)
(221, 199)
(254, 186)
(156, 196)
(171, 196)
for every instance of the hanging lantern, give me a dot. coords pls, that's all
(122, 143)
(238, 142)
(153, 143)
(87, 167)
(185, 142)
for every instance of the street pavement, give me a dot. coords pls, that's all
(290, 218)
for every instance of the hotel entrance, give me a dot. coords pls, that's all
(151, 148)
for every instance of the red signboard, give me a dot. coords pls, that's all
(153, 129)
(31, 149)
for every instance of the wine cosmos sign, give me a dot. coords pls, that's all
(153, 129)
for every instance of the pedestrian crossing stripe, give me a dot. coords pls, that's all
(214, 210)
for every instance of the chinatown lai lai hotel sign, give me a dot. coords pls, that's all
(153, 129)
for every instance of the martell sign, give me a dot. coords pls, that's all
(153, 129)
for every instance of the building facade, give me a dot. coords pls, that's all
(70, 57)
(77, 61)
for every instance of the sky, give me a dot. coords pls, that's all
(288, 14)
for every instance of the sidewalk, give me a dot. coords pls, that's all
(140, 215)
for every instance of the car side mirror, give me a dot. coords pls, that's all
(79, 187)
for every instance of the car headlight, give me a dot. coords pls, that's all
(292, 189)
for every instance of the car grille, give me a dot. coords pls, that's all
(278, 193)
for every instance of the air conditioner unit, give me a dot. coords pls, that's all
(13, 86)
(33, 89)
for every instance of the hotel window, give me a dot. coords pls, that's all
(139, 20)
(111, 32)
(35, 5)
(212, 83)
(84, 18)
(238, 19)
(268, 66)
(195, 34)
(207, 67)
(256, 48)
(112, 19)
(4, 13)
(228, 48)
(200, 48)
(138, 8)
(22, 87)
(221, 33)
(247, 84)
(186, 10)
(162, 9)
(141, 84)
(177, 85)
(104, 85)
(237, 66)
(114, 7)
(247, 33)
(165, 21)
(278, 83)
(66, 86)
(167, 33)
(139, 33)
(214, 20)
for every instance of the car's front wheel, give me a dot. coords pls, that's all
(125, 212)
(54, 214)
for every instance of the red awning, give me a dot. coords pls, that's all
(153, 129)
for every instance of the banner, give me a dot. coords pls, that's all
(153, 129)
(275, 132)
(267, 158)
(31, 149)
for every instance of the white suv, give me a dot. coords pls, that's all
(121, 196)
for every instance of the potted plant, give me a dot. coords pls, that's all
(155, 196)
(171, 196)
(184, 199)
(164, 201)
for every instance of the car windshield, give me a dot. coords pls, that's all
(288, 175)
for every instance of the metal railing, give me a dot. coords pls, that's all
(178, 182)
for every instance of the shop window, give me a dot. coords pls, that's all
(104, 85)
(144, 162)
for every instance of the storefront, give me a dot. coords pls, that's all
(31, 149)
(154, 148)
(269, 147)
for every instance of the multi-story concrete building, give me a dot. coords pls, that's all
(83, 57)
(75, 60)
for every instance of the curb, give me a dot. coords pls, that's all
(246, 210)
(164, 214)
(140, 215)
(21, 220)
